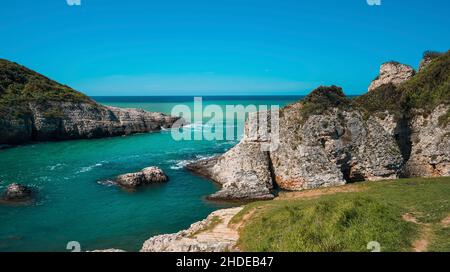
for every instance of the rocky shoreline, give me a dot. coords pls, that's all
(213, 234)
(80, 121)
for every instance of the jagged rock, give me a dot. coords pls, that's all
(321, 142)
(17, 192)
(430, 152)
(146, 176)
(332, 148)
(392, 72)
(213, 234)
(243, 173)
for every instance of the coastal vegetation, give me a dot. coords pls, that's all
(401, 215)
(322, 100)
(427, 89)
(20, 86)
(424, 91)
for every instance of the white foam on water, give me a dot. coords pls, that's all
(56, 166)
(107, 182)
(180, 164)
(89, 168)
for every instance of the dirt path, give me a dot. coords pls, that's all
(421, 244)
(320, 192)
(446, 222)
(222, 231)
(213, 234)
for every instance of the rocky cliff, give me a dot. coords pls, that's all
(35, 108)
(392, 72)
(398, 129)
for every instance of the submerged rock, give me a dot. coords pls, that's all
(17, 192)
(394, 73)
(146, 176)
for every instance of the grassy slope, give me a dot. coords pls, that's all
(348, 221)
(20, 86)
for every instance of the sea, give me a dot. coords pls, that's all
(76, 201)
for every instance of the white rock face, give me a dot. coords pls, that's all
(214, 234)
(324, 150)
(245, 170)
(392, 72)
(243, 173)
(80, 121)
(430, 152)
(332, 148)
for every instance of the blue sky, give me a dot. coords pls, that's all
(219, 47)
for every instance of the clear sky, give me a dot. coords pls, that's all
(219, 47)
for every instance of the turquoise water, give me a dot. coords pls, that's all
(76, 203)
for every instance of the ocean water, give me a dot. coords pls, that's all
(75, 201)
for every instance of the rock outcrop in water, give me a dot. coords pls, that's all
(16, 192)
(398, 129)
(35, 108)
(146, 176)
(243, 173)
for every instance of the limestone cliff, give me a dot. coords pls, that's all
(398, 129)
(430, 148)
(392, 72)
(35, 108)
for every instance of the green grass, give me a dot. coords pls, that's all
(20, 86)
(349, 221)
(319, 101)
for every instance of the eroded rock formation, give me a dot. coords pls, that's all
(401, 128)
(430, 141)
(313, 150)
(392, 72)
